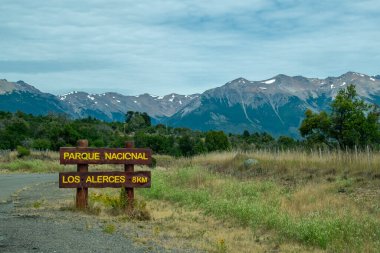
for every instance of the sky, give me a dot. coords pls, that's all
(182, 46)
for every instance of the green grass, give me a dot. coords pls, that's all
(257, 204)
(113, 202)
(33, 165)
(37, 204)
(109, 228)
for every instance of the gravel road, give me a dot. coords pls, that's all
(9, 183)
(32, 220)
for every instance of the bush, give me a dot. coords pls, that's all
(216, 141)
(41, 144)
(154, 163)
(22, 151)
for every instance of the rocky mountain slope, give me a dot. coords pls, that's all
(113, 106)
(20, 96)
(108, 106)
(275, 105)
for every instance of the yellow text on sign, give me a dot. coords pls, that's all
(139, 180)
(70, 179)
(125, 156)
(105, 179)
(81, 156)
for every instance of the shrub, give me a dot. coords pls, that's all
(22, 151)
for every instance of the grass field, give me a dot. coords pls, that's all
(305, 201)
(327, 200)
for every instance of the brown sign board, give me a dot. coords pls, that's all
(114, 179)
(105, 156)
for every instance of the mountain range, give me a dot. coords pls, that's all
(275, 105)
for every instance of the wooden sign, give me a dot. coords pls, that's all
(114, 179)
(82, 156)
(105, 156)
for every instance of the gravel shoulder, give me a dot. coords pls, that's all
(34, 219)
(10, 183)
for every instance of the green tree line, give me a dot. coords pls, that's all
(53, 131)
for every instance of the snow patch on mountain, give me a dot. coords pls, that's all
(269, 81)
(172, 98)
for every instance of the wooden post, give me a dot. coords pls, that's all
(130, 195)
(82, 193)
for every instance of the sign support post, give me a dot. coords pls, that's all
(130, 195)
(82, 193)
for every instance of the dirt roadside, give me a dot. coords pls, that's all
(34, 219)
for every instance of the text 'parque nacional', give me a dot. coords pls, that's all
(105, 156)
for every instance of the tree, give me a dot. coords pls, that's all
(199, 146)
(128, 116)
(371, 127)
(216, 140)
(352, 122)
(41, 144)
(136, 120)
(146, 118)
(352, 119)
(186, 145)
(316, 127)
(286, 142)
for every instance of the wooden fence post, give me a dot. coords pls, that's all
(82, 193)
(130, 196)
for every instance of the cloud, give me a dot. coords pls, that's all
(183, 46)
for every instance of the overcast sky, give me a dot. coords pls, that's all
(159, 47)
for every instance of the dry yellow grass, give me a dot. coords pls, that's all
(174, 226)
(288, 162)
(317, 198)
(282, 161)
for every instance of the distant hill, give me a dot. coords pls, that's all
(275, 105)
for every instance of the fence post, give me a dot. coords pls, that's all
(130, 196)
(82, 193)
